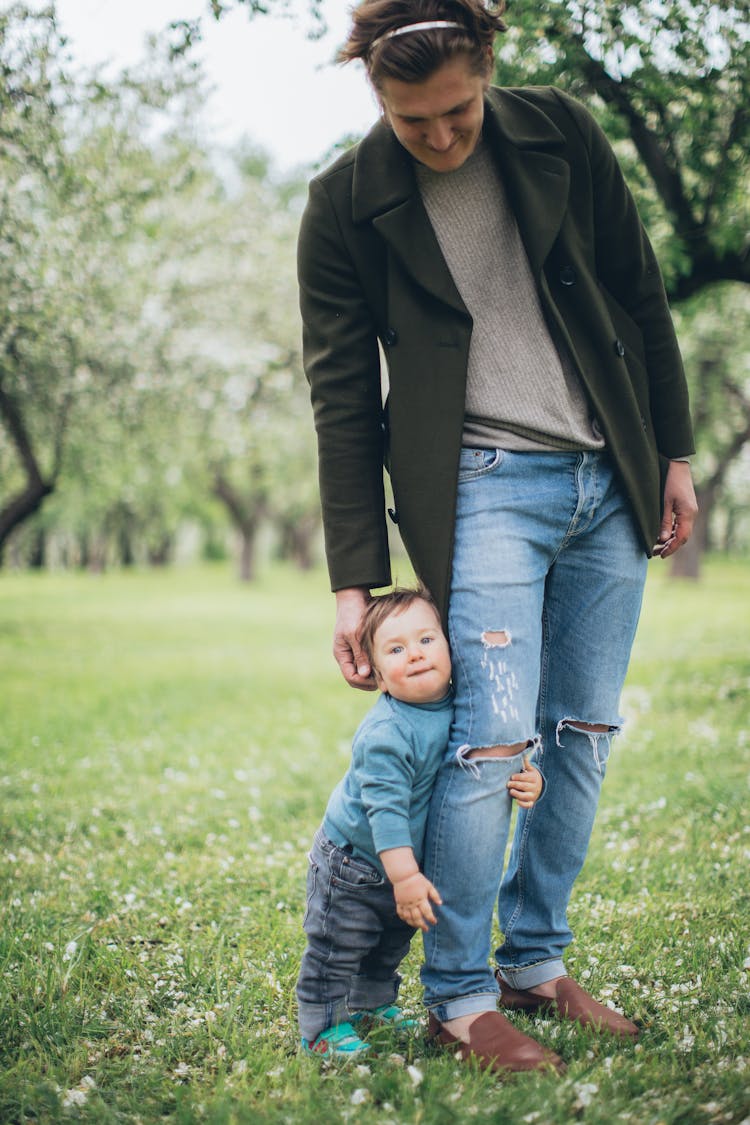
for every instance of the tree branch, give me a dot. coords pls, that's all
(736, 444)
(30, 498)
(20, 437)
(663, 172)
(707, 265)
(734, 135)
(244, 515)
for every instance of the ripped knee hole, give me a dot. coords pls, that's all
(496, 638)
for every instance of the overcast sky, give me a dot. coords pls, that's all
(272, 83)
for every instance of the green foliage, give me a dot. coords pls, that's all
(715, 334)
(168, 744)
(234, 353)
(314, 10)
(714, 330)
(84, 181)
(149, 338)
(674, 80)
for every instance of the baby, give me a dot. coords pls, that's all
(366, 895)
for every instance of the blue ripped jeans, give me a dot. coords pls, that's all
(548, 575)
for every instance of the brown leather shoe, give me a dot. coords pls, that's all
(496, 1045)
(571, 1002)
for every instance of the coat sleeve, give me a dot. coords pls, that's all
(342, 365)
(628, 270)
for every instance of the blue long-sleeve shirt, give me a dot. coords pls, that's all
(382, 800)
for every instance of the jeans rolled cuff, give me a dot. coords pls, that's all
(529, 976)
(465, 1006)
(314, 1018)
(364, 995)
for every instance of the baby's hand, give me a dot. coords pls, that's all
(525, 787)
(413, 896)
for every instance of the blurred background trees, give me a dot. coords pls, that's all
(151, 391)
(152, 401)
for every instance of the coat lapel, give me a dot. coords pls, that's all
(408, 231)
(523, 140)
(537, 180)
(385, 192)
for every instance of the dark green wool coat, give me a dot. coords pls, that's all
(371, 269)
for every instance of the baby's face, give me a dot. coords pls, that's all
(410, 655)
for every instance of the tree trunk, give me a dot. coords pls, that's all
(97, 555)
(21, 507)
(247, 513)
(30, 499)
(125, 547)
(297, 541)
(160, 553)
(38, 550)
(247, 553)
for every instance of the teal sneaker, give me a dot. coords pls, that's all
(389, 1015)
(339, 1042)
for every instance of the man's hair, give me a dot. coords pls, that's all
(383, 606)
(414, 57)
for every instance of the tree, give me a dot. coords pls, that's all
(674, 79)
(83, 170)
(235, 350)
(715, 331)
(31, 157)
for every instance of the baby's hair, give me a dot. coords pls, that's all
(381, 607)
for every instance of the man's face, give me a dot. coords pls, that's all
(411, 658)
(438, 121)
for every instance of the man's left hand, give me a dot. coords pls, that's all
(680, 510)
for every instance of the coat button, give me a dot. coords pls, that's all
(567, 276)
(390, 336)
(619, 348)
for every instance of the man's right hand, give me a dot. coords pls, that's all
(354, 665)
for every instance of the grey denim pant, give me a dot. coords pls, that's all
(355, 939)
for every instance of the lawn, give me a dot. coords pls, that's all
(167, 744)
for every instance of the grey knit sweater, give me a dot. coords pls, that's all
(522, 390)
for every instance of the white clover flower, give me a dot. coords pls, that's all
(78, 1094)
(74, 1097)
(415, 1074)
(70, 950)
(585, 1093)
(359, 1096)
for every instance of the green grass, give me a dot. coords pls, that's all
(167, 744)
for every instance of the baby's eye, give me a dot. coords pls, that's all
(396, 650)
(427, 640)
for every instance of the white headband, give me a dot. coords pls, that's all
(426, 26)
